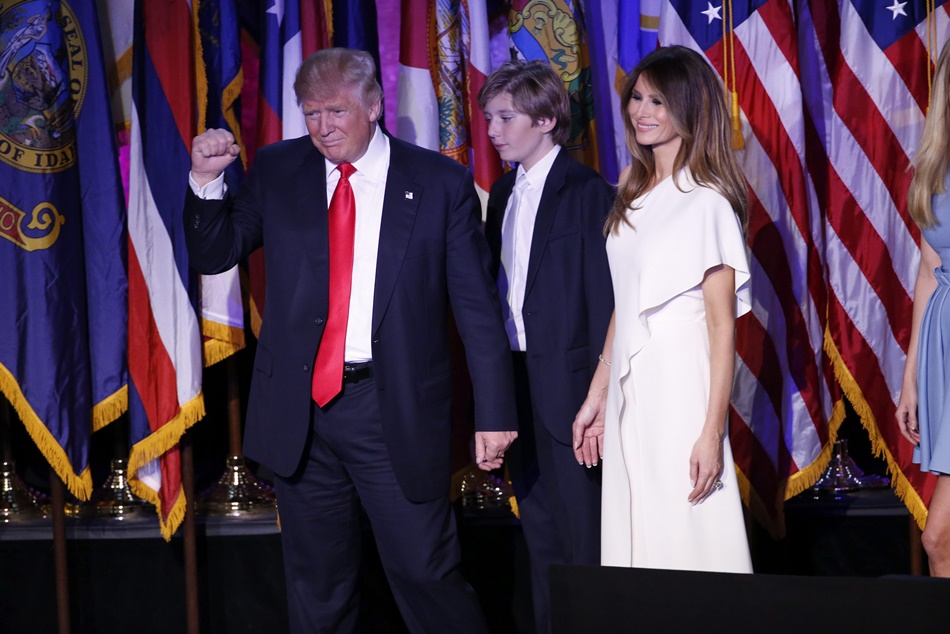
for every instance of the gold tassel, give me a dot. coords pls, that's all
(738, 142)
(729, 74)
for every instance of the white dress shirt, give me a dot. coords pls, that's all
(369, 187)
(517, 231)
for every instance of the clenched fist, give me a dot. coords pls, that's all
(211, 153)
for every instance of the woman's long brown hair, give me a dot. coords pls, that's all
(695, 101)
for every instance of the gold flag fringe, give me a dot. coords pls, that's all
(255, 317)
(899, 482)
(201, 75)
(110, 408)
(79, 484)
(807, 477)
(231, 93)
(328, 12)
(513, 502)
(175, 517)
(156, 444)
(791, 486)
(762, 512)
(118, 73)
(223, 341)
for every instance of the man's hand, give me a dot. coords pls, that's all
(490, 448)
(211, 153)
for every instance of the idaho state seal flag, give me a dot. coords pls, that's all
(62, 299)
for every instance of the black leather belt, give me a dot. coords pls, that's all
(356, 372)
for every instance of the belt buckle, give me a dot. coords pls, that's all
(354, 373)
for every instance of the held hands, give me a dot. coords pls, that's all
(588, 429)
(211, 153)
(705, 466)
(906, 414)
(490, 448)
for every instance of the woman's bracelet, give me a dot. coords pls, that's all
(601, 358)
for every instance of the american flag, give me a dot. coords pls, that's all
(831, 98)
(785, 401)
(871, 67)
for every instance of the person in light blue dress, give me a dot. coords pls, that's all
(923, 411)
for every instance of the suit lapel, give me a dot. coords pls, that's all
(506, 185)
(400, 203)
(547, 210)
(310, 211)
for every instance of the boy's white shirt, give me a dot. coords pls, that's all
(518, 234)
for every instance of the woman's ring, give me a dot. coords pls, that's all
(718, 485)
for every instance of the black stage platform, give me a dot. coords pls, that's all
(125, 578)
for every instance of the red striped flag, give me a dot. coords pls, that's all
(444, 60)
(418, 107)
(477, 54)
(164, 339)
(871, 68)
(785, 406)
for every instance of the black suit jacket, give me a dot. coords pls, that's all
(568, 296)
(431, 252)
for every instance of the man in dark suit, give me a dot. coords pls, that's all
(351, 395)
(545, 230)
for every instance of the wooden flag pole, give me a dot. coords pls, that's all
(234, 407)
(58, 504)
(188, 530)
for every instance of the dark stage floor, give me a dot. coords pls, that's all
(124, 578)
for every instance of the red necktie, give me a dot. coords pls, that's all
(328, 368)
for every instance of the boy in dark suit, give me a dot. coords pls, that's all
(545, 231)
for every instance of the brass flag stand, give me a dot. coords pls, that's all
(237, 493)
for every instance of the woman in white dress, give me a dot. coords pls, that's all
(657, 407)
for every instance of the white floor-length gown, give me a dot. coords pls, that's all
(659, 384)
